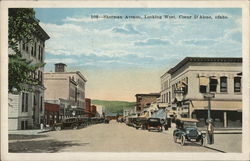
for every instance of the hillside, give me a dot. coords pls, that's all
(114, 106)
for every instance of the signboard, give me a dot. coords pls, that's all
(209, 95)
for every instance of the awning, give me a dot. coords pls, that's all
(204, 81)
(217, 105)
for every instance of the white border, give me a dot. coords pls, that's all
(124, 156)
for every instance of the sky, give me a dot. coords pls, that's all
(124, 57)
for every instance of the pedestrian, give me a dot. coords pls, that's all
(210, 132)
(41, 126)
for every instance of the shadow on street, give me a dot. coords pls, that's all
(22, 136)
(40, 146)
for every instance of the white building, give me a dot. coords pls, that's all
(183, 87)
(26, 110)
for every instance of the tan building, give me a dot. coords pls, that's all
(144, 100)
(65, 85)
(26, 110)
(184, 86)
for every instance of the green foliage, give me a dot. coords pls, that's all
(22, 26)
(114, 106)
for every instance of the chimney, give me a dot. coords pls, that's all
(60, 67)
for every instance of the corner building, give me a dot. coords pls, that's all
(26, 110)
(183, 88)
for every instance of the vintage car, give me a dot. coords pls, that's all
(154, 124)
(186, 130)
(140, 122)
(72, 123)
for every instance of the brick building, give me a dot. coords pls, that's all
(144, 100)
(51, 113)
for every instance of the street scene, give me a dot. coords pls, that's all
(115, 137)
(125, 80)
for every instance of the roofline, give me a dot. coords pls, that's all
(150, 94)
(76, 72)
(44, 34)
(204, 59)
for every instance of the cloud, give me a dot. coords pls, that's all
(152, 42)
(127, 29)
(63, 60)
(200, 42)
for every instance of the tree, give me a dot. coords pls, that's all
(22, 26)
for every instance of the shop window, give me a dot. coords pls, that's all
(237, 84)
(213, 84)
(223, 84)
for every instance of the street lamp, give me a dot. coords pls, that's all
(210, 135)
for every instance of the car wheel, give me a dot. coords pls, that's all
(182, 140)
(75, 127)
(58, 128)
(175, 139)
(202, 142)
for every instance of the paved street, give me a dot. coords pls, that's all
(115, 137)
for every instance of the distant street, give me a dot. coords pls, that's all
(115, 137)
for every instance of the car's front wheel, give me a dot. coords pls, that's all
(202, 142)
(58, 128)
(182, 140)
(175, 139)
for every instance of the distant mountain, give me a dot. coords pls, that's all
(114, 106)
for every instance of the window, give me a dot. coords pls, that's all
(39, 55)
(204, 81)
(237, 84)
(213, 84)
(223, 84)
(203, 89)
(35, 49)
(32, 52)
(41, 103)
(23, 47)
(25, 100)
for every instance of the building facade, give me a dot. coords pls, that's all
(185, 86)
(26, 110)
(65, 85)
(51, 113)
(144, 100)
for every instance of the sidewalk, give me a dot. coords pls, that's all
(29, 132)
(224, 130)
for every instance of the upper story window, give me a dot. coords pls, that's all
(237, 84)
(204, 81)
(25, 101)
(223, 84)
(213, 84)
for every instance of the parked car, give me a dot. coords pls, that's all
(72, 123)
(186, 130)
(154, 124)
(140, 122)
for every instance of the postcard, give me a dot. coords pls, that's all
(125, 80)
